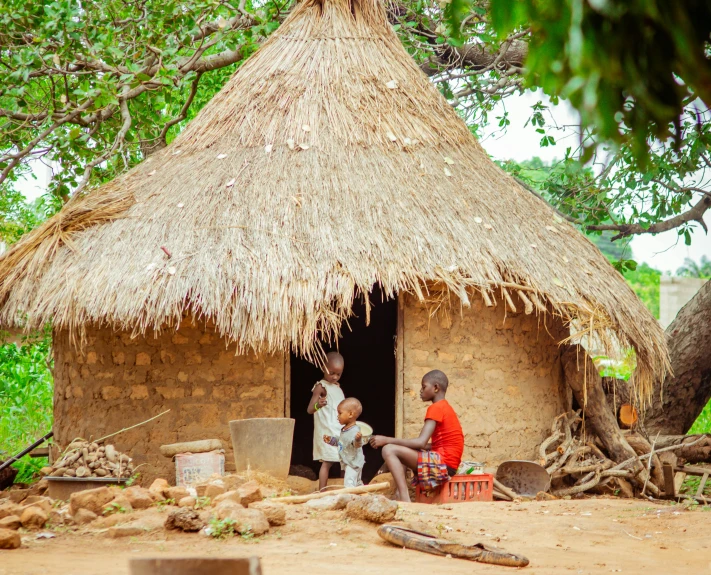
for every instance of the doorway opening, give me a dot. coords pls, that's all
(369, 375)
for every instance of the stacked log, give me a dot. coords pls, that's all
(89, 459)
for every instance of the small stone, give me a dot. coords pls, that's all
(138, 497)
(10, 522)
(274, 512)
(331, 502)
(374, 508)
(200, 490)
(159, 487)
(187, 502)
(91, 499)
(176, 493)
(229, 495)
(300, 485)
(250, 492)
(33, 518)
(84, 516)
(124, 531)
(9, 539)
(58, 517)
(246, 520)
(213, 491)
(185, 520)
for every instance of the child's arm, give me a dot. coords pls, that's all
(330, 440)
(317, 399)
(358, 441)
(420, 443)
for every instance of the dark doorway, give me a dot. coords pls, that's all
(369, 375)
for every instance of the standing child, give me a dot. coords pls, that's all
(350, 442)
(327, 394)
(433, 463)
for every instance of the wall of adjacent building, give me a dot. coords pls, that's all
(674, 294)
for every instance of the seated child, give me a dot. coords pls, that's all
(350, 447)
(433, 463)
(326, 396)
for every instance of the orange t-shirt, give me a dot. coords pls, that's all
(448, 437)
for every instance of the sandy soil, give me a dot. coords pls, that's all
(581, 537)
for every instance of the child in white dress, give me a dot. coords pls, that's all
(327, 394)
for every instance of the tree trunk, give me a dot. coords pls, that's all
(583, 379)
(683, 397)
(698, 453)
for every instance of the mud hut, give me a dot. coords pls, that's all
(327, 195)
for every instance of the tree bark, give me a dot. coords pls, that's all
(583, 379)
(676, 406)
(699, 453)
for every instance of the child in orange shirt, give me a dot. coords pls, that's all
(435, 462)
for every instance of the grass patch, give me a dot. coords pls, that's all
(26, 393)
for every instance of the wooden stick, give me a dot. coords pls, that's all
(505, 490)
(132, 427)
(354, 490)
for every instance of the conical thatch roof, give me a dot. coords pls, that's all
(327, 163)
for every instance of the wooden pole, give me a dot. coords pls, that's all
(400, 368)
(384, 486)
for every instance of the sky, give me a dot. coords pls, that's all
(664, 252)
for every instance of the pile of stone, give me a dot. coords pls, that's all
(241, 503)
(88, 459)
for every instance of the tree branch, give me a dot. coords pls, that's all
(695, 214)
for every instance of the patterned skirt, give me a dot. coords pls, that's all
(431, 470)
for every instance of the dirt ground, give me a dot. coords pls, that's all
(581, 537)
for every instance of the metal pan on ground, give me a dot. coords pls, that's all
(196, 566)
(523, 477)
(62, 487)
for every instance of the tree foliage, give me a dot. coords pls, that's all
(692, 269)
(630, 67)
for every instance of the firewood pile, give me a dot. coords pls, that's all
(89, 459)
(577, 462)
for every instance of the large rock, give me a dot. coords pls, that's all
(229, 495)
(184, 519)
(245, 520)
(83, 516)
(119, 504)
(10, 522)
(176, 493)
(138, 497)
(8, 508)
(300, 485)
(44, 503)
(374, 508)
(124, 531)
(18, 495)
(92, 499)
(331, 502)
(250, 492)
(274, 512)
(159, 487)
(33, 518)
(386, 478)
(9, 539)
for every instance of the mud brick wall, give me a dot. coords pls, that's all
(505, 379)
(117, 381)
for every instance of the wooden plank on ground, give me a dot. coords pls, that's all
(669, 491)
(702, 484)
(679, 478)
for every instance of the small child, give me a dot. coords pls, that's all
(433, 463)
(350, 445)
(327, 394)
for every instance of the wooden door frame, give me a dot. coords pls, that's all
(400, 368)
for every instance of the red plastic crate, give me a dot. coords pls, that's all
(459, 489)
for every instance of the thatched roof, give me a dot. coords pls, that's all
(326, 164)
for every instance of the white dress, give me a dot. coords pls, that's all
(326, 422)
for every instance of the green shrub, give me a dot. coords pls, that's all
(26, 392)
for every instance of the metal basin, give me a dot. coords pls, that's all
(523, 477)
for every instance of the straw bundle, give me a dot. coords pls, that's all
(326, 164)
